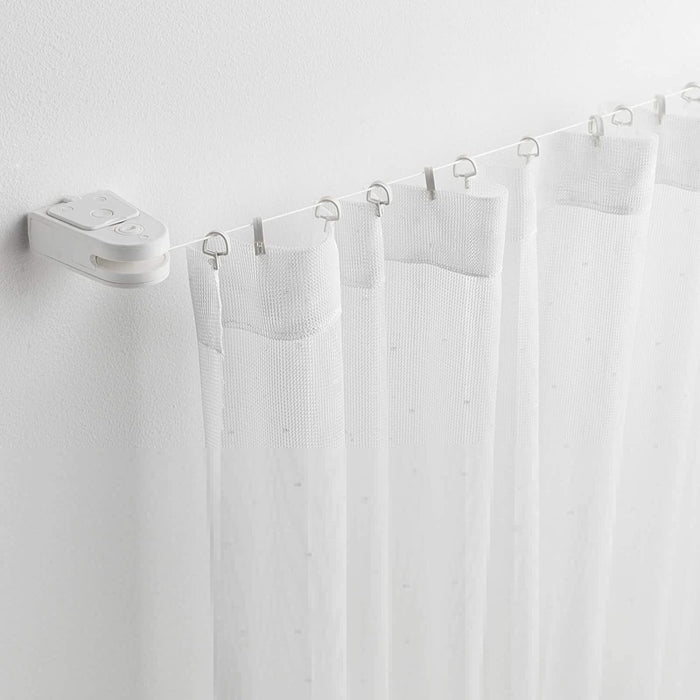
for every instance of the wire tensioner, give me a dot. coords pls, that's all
(102, 237)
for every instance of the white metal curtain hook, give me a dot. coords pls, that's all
(215, 254)
(596, 128)
(429, 181)
(660, 101)
(379, 194)
(688, 95)
(327, 209)
(618, 119)
(528, 148)
(464, 167)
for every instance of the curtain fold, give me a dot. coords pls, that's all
(443, 254)
(453, 449)
(363, 279)
(512, 641)
(591, 245)
(277, 474)
(651, 547)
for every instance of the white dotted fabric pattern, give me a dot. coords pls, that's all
(454, 449)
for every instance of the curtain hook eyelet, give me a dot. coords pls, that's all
(688, 87)
(215, 254)
(622, 109)
(384, 195)
(530, 153)
(322, 210)
(466, 174)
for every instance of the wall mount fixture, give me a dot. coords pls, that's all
(103, 237)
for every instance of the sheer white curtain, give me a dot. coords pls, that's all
(453, 449)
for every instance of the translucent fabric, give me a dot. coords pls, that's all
(453, 448)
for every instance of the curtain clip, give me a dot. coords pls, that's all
(660, 101)
(596, 128)
(215, 254)
(379, 199)
(467, 174)
(622, 121)
(258, 237)
(322, 210)
(533, 151)
(429, 181)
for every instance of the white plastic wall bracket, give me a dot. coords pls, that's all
(103, 237)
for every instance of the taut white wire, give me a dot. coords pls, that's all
(420, 174)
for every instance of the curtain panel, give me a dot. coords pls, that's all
(453, 448)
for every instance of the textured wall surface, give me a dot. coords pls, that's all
(206, 115)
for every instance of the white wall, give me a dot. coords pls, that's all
(206, 115)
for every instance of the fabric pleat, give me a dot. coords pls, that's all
(657, 465)
(512, 640)
(279, 491)
(592, 233)
(362, 279)
(442, 255)
(454, 443)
